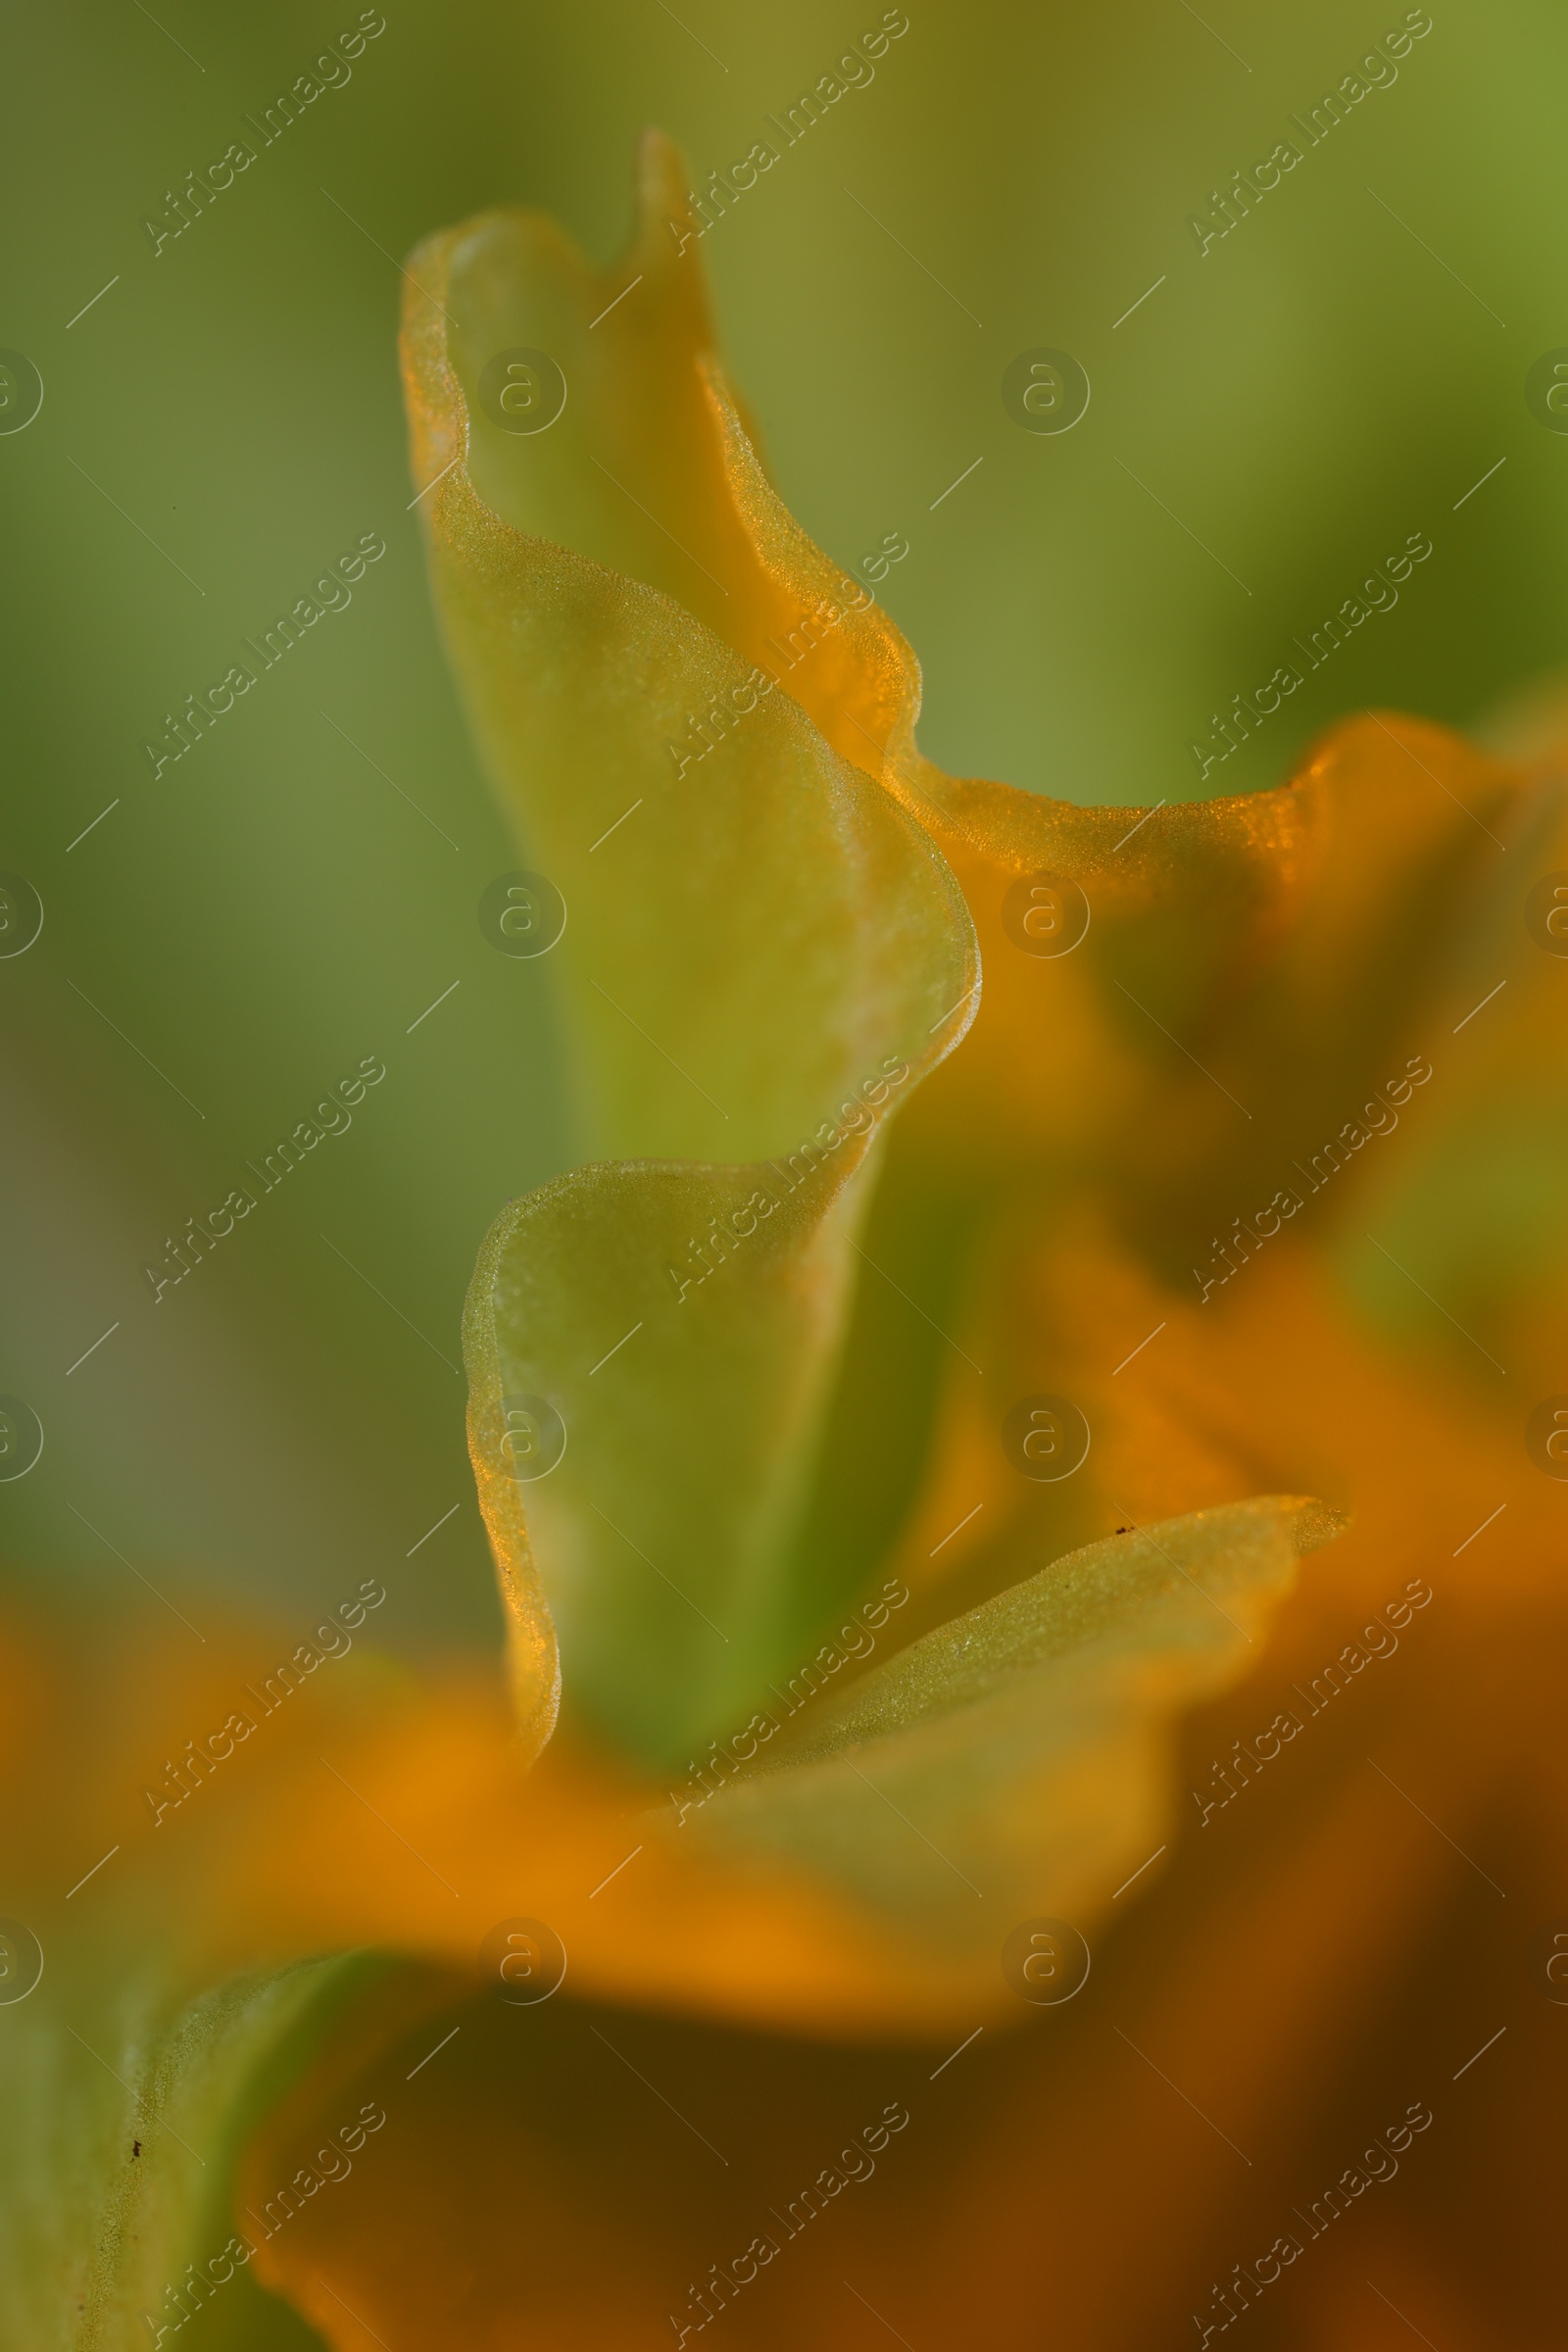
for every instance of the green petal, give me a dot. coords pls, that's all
(125, 2112)
(755, 935)
(752, 926)
(648, 468)
(689, 1405)
(1017, 1761)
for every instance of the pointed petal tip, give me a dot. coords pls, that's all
(1316, 1524)
(663, 178)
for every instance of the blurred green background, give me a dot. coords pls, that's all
(223, 420)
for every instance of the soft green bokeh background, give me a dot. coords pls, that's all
(1315, 388)
(1293, 404)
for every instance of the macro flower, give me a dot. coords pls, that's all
(1024, 1483)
